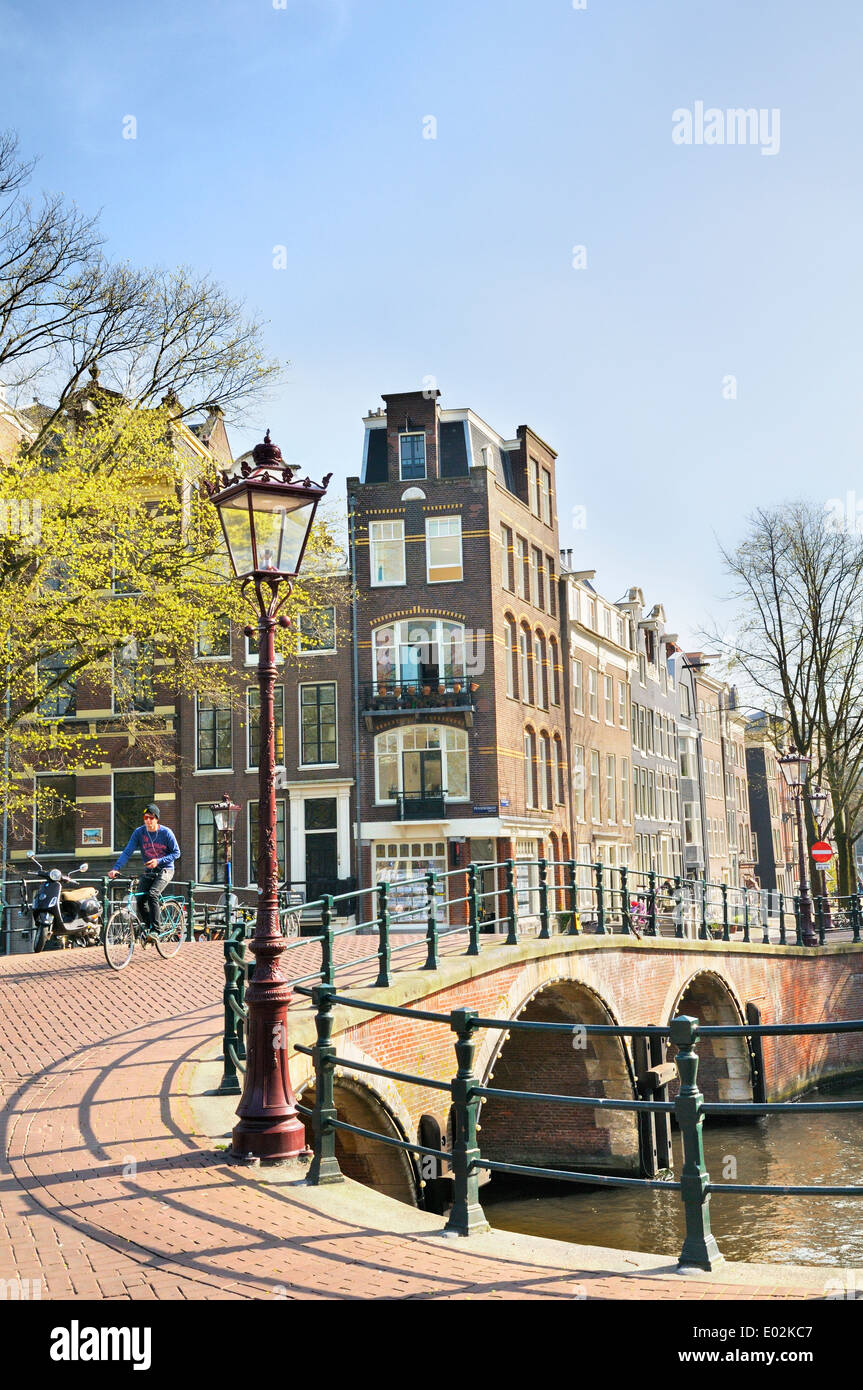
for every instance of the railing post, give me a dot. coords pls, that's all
(678, 906)
(106, 900)
(600, 899)
(324, 1166)
(625, 912)
(466, 1216)
(473, 911)
(242, 979)
(432, 961)
(573, 897)
(855, 917)
(699, 1247)
(384, 972)
(726, 931)
(512, 919)
(230, 1084)
(797, 923)
(702, 930)
(819, 919)
(190, 909)
(327, 962)
(764, 901)
(651, 903)
(781, 919)
(746, 914)
(544, 930)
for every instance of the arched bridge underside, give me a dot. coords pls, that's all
(580, 980)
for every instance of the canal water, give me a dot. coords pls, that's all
(784, 1149)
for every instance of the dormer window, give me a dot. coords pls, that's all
(412, 456)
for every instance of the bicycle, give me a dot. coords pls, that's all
(124, 929)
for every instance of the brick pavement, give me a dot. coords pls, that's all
(105, 1193)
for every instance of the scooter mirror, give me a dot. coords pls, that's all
(82, 869)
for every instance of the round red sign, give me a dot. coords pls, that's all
(821, 852)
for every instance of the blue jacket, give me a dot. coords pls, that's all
(161, 845)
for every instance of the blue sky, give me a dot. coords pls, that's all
(302, 127)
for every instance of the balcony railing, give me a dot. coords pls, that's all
(382, 698)
(419, 805)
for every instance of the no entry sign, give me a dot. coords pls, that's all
(821, 852)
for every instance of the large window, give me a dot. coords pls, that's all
(253, 726)
(578, 781)
(537, 585)
(624, 790)
(214, 750)
(387, 547)
(422, 759)
(214, 640)
(419, 650)
(525, 649)
(595, 809)
(545, 772)
(412, 456)
(554, 665)
(443, 549)
(541, 665)
(559, 791)
(507, 559)
(593, 708)
(546, 496)
(57, 689)
(608, 696)
(317, 630)
(534, 487)
(522, 573)
(610, 787)
(578, 687)
(318, 724)
(55, 814)
(281, 855)
(210, 866)
(132, 792)
(510, 637)
(530, 768)
(133, 678)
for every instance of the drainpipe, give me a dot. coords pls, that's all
(358, 782)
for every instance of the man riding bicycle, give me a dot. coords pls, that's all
(158, 848)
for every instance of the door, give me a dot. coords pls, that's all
(422, 771)
(322, 863)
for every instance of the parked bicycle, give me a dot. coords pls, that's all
(124, 929)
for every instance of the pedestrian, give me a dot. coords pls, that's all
(157, 846)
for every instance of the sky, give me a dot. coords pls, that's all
(698, 358)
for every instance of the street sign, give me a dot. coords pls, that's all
(821, 852)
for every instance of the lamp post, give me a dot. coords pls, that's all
(795, 768)
(266, 519)
(225, 818)
(818, 802)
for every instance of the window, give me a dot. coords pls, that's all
(592, 705)
(281, 856)
(559, 795)
(422, 757)
(636, 737)
(132, 791)
(59, 700)
(642, 669)
(690, 836)
(552, 585)
(210, 865)
(595, 811)
(624, 790)
(546, 496)
(523, 569)
(412, 456)
(418, 651)
(578, 687)
(387, 546)
(525, 647)
(554, 662)
(545, 771)
(541, 665)
(213, 743)
(621, 703)
(133, 678)
(55, 814)
(443, 549)
(534, 487)
(608, 694)
(510, 637)
(317, 630)
(214, 640)
(610, 787)
(253, 726)
(318, 724)
(507, 560)
(537, 578)
(578, 781)
(530, 768)
(588, 612)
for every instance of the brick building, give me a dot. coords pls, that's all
(462, 738)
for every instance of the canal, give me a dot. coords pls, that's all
(785, 1149)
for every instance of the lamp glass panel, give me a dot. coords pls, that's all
(281, 523)
(238, 532)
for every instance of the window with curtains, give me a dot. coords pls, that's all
(387, 552)
(443, 549)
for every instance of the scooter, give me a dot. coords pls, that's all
(71, 915)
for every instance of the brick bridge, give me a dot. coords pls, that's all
(580, 980)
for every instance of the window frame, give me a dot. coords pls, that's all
(398, 524)
(317, 685)
(412, 477)
(436, 521)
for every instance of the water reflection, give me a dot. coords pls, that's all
(812, 1149)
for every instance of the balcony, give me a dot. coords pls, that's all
(419, 805)
(383, 699)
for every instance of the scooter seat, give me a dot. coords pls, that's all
(77, 895)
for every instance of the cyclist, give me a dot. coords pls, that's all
(159, 850)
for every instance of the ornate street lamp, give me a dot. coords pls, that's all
(266, 518)
(818, 802)
(225, 817)
(795, 769)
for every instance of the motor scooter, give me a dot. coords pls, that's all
(70, 914)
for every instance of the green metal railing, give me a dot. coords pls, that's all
(464, 1158)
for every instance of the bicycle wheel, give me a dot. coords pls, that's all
(170, 939)
(290, 923)
(118, 941)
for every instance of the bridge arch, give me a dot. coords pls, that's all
(382, 1166)
(725, 1065)
(537, 1133)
